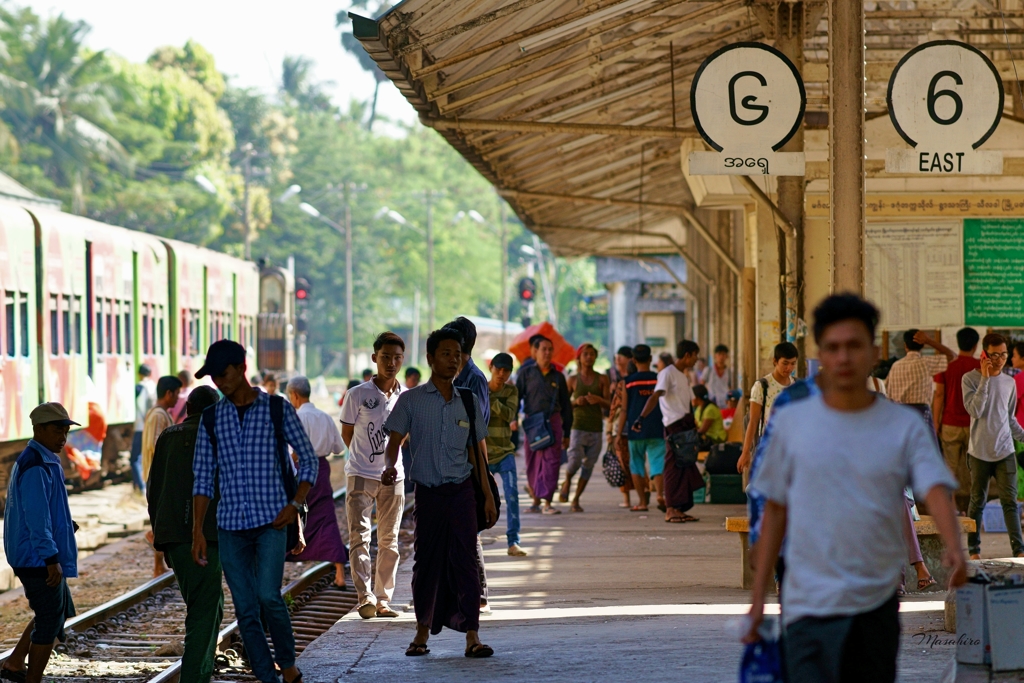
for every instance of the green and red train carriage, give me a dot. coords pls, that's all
(85, 303)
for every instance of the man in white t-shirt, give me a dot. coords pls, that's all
(845, 552)
(363, 414)
(762, 398)
(674, 395)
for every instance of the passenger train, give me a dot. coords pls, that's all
(85, 303)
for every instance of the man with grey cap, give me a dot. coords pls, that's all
(39, 540)
(241, 449)
(323, 538)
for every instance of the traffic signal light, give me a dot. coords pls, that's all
(303, 290)
(527, 289)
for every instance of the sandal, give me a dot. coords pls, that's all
(681, 519)
(925, 584)
(575, 508)
(18, 676)
(479, 651)
(638, 508)
(533, 509)
(416, 650)
(551, 511)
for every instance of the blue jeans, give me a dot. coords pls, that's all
(507, 469)
(135, 462)
(253, 562)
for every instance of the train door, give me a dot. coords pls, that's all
(659, 332)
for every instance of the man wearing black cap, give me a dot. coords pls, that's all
(39, 540)
(501, 454)
(250, 429)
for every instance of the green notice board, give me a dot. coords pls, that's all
(994, 272)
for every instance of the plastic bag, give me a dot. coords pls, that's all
(762, 663)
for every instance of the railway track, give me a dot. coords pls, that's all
(131, 638)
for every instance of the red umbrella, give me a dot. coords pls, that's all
(564, 351)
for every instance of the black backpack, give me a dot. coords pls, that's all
(291, 485)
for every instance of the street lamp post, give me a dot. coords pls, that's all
(346, 231)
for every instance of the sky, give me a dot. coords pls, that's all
(247, 39)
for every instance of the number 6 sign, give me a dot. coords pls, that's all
(945, 99)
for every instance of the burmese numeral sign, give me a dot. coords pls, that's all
(747, 101)
(945, 99)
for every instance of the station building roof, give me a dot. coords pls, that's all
(576, 110)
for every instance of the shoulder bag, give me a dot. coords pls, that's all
(481, 475)
(537, 427)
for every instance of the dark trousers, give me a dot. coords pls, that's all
(445, 575)
(1005, 472)
(135, 462)
(853, 649)
(204, 608)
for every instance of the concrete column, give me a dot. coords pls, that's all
(789, 40)
(748, 339)
(769, 301)
(846, 143)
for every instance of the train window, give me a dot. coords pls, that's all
(54, 327)
(161, 337)
(127, 326)
(12, 342)
(146, 348)
(116, 305)
(99, 327)
(183, 333)
(109, 307)
(65, 319)
(23, 317)
(76, 310)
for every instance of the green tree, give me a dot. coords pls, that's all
(56, 101)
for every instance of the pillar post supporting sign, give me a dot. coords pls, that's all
(945, 99)
(747, 101)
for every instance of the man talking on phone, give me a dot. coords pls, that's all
(990, 398)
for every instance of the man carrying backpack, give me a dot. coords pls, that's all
(242, 443)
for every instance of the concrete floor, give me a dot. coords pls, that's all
(607, 595)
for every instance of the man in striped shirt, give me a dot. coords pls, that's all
(910, 378)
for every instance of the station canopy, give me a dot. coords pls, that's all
(577, 110)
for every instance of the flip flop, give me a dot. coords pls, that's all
(925, 584)
(681, 519)
(575, 508)
(637, 508)
(12, 675)
(479, 651)
(417, 650)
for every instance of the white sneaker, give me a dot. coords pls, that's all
(485, 609)
(515, 551)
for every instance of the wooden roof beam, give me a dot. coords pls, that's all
(592, 58)
(632, 233)
(679, 208)
(463, 125)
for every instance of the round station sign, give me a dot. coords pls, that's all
(747, 96)
(945, 94)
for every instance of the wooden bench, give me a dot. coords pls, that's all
(927, 532)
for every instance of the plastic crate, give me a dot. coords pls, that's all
(727, 489)
(992, 520)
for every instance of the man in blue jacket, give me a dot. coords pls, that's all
(39, 540)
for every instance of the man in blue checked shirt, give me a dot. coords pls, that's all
(254, 512)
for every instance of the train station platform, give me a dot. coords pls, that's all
(606, 595)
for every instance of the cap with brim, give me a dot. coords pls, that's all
(219, 356)
(51, 413)
(502, 360)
